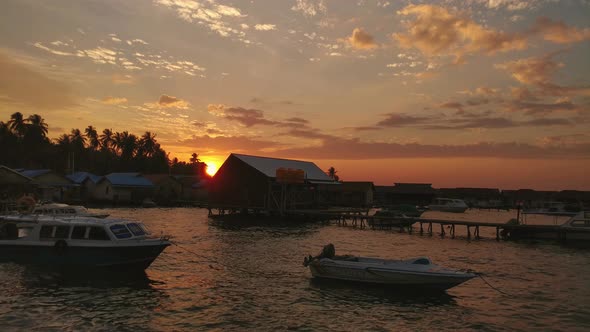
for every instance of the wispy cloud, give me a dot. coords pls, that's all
(361, 40)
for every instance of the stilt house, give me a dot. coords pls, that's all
(271, 184)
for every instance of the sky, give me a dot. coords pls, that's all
(471, 93)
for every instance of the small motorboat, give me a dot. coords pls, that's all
(448, 205)
(79, 242)
(416, 272)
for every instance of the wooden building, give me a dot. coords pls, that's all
(351, 194)
(87, 184)
(404, 193)
(51, 186)
(270, 184)
(167, 189)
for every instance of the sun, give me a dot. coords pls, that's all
(211, 167)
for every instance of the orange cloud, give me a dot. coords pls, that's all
(361, 40)
(114, 100)
(559, 32)
(170, 101)
(436, 31)
(533, 71)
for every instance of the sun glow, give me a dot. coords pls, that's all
(211, 167)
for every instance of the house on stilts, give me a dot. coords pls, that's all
(253, 184)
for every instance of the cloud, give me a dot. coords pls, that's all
(230, 143)
(400, 120)
(170, 101)
(265, 27)
(298, 120)
(310, 7)
(122, 79)
(22, 84)
(436, 31)
(452, 105)
(114, 100)
(542, 108)
(246, 117)
(559, 32)
(533, 71)
(361, 40)
(355, 149)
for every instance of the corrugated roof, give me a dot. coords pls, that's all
(33, 173)
(80, 177)
(128, 180)
(269, 166)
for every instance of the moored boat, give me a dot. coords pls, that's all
(575, 229)
(448, 205)
(80, 242)
(65, 210)
(416, 272)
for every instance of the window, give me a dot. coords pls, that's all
(62, 232)
(97, 233)
(135, 229)
(120, 231)
(46, 232)
(79, 232)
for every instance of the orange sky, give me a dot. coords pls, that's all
(457, 93)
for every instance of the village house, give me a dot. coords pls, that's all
(167, 188)
(87, 184)
(351, 194)
(124, 188)
(51, 186)
(272, 184)
(404, 193)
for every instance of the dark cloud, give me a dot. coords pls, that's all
(229, 143)
(541, 108)
(246, 117)
(559, 32)
(170, 101)
(361, 40)
(400, 120)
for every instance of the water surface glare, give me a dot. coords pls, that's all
(230, 276)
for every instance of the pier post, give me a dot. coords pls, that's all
(430, 228)
(477, 232)
(442, 230)
(497, 233)
(421, 229)
(469, 232)
(453, 231)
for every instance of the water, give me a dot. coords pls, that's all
(250, 277)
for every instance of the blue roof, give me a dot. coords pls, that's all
(80, 177)
(33, 173)
(128, 180)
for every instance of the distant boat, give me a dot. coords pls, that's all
(553, 209)
(448, 205)
(78, 242)
(65, 210)
(416, 272)
(575, 229)
(406, 210)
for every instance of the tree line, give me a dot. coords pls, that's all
(24, 144)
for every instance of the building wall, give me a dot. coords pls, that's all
(238, 184)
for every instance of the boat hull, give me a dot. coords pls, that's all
(452, 209)
(112, 257)
(388, 277)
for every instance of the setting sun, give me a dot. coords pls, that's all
(211, 167)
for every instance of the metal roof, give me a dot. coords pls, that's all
(80, 177)
(128, 180)
(33, 173)
(269, 166)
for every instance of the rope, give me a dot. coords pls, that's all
(235, 268)
(480, 275)
(492, 287)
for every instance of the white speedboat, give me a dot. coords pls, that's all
(416, 272)
(78, 242)
(576, 230)
(65, 210)
(551, 209)
(448, 205)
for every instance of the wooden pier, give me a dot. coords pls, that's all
(361, 219)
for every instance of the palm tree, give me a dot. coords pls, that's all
(126, 144)
(17, 124)
(147, 144)
(106, 139)
(77, 140)
(332, 173)
(92, 136)
(38, 125)
(194, 158)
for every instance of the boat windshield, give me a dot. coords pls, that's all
(120, 231)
